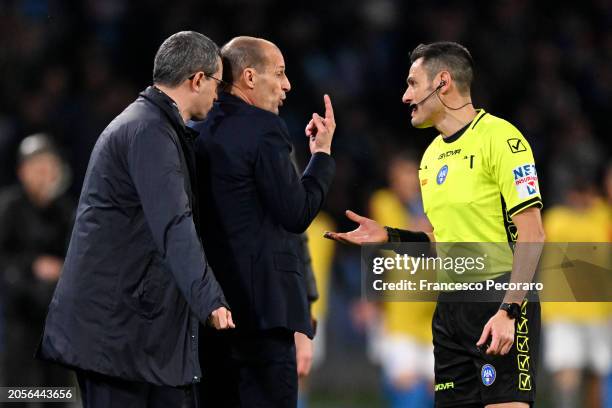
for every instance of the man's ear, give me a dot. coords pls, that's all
(248, 76)
(196, 82)
(445, 81)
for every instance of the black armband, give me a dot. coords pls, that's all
(400, 235)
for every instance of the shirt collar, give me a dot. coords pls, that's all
(452, 138)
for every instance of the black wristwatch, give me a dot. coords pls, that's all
(513, 309)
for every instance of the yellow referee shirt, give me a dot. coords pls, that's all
(473, 182)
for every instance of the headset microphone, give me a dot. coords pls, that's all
(440, 85)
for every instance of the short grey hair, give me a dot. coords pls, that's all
(182, 55)
(241, 53)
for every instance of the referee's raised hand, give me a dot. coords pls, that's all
(369, 231)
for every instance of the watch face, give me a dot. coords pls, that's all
(514, 310)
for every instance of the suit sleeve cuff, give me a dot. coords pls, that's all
(321, 167)
(321, 157)
(219, 302)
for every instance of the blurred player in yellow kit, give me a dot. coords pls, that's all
(577, 334)
(404, 346)
(322, 257)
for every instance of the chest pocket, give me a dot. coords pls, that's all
(458, 177)
(448, 181)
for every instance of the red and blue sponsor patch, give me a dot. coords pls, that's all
(526, 180)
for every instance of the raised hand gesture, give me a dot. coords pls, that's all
(320, 130)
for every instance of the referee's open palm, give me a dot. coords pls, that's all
(369, 231)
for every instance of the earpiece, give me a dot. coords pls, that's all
(440, 85)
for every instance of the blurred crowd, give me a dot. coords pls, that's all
(68, 67)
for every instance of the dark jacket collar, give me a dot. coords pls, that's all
(232, 102)
(226, 97)
(170, 108)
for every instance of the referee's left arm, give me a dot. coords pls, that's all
(526, 256)
(527, 250)
(512, 165)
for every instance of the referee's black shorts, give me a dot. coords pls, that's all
(464, 374)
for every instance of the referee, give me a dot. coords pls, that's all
(479, 184)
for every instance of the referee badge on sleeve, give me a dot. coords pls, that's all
(516, 145)
(526, 180)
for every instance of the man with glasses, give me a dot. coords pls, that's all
(220, 83)
(256, 207)
(136, 283)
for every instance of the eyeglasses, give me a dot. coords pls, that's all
(221, 84)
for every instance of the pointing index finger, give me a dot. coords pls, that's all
(329, 109)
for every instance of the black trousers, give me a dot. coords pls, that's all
(100, 391)
(248, 370)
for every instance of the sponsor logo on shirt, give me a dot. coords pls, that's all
(526, 180)
(449, 153)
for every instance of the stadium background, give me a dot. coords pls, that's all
(68, 67)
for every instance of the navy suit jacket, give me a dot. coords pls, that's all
(253, 209)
